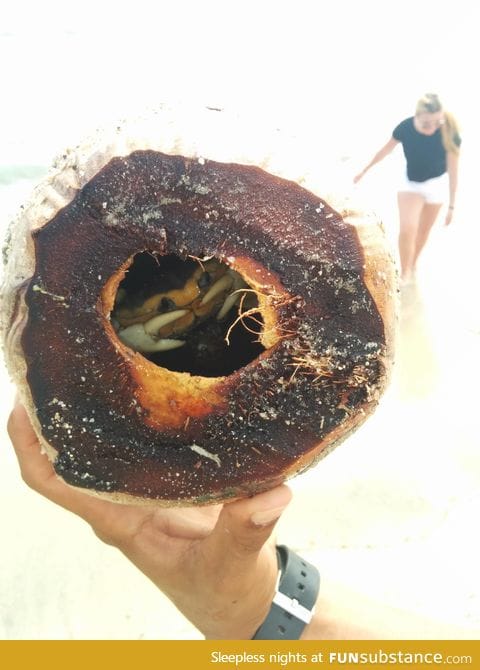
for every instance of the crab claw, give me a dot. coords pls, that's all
(136, 338)
(153, 325)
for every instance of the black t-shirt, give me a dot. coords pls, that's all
(425, 154)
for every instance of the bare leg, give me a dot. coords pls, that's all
(410, 206)
(427, 219)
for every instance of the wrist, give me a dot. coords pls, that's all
(234, 610)
(231, 618)
(294, 599)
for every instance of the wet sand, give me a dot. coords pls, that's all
(392, 513)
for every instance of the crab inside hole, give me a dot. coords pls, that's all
(183, 314)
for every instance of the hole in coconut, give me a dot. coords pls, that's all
(183, 315)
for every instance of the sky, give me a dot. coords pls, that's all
(341, 72)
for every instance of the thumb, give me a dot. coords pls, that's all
(244, 526)
(243, 563)
(238, 566)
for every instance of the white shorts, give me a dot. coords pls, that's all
(433, 191)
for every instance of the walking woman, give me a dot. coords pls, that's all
(431, 144)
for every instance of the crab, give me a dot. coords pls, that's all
(155, 322)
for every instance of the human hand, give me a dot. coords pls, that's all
(217, 564)
(358, 176)
(449, 216)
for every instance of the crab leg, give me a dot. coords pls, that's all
(233, 297)
(222, 284)
(153, 325)
(230, 301)
(136, 338)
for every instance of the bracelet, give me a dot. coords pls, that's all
(294, 601)
(451, 207)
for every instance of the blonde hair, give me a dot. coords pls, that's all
(430, 104)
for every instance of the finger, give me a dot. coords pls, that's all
(244, 526)
(35, 467)
(113, 522)
(38, 472)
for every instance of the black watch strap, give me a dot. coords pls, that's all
(295, 598)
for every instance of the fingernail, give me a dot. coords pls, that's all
(270, 505)
(265, 517)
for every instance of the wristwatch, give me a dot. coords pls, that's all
(294, 600)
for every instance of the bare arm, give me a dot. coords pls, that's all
(379, 156)
(452, 169)
(345, 614)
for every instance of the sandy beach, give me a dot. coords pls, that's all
(392, 514)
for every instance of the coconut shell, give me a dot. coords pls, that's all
(193, 185)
